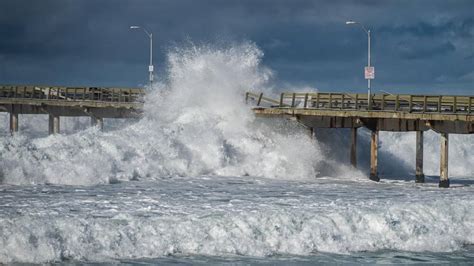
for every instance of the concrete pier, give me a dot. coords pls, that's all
(374, 143)
(13, 122)
(54, 124)
(420, 177)
(354, 147)
(95, 102)
(443, 164)
(445, 114)
(97, 122)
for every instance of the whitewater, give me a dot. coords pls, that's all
(199, 179)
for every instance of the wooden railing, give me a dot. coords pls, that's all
(121, 95)
(379, 102)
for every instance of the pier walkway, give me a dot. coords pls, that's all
(445, 114)
(95, 102)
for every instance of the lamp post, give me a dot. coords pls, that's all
(369, 71)
(150, 67)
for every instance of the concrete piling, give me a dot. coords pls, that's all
(354, 147)
(374, 143)
(54, 124)
(443, 165)
(420, 177)
(13, 122)
(97, 121)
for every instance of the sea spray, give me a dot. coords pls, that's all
(195, 122)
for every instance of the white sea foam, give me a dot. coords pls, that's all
(211, 217)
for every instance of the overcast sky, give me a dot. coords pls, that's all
(417, 45)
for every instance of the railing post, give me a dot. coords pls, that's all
(470, 105)
(259, 99)
(455, 105)
(424, 103)
(410, 103)
(281, 99)
(305, 100)
(439, 103)
(293, 100)
(317, 100)
(383, 101)
(357, 101)
(342, 101)
(330, 100)
(397, 102)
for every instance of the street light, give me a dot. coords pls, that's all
(150, 67)
(369, 71)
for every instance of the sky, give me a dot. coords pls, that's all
(418, 46)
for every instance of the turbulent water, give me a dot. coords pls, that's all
(199, 179)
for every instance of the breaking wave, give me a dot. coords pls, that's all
(195, 122)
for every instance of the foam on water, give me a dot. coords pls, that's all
(228, 217)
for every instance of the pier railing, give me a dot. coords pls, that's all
(98, 94)
(379, 102)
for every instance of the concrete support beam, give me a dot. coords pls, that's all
(354, 147)
(13, 122)
(443, 165)
(53, 124)
(374, 143)
(97, 122)
(420, 177)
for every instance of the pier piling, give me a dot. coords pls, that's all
(53, 124)
(13, 122)
(374, 139)
(354, 147)
(97, 121)
(443, 177)
(420, 177)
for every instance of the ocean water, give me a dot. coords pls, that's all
(200, 180)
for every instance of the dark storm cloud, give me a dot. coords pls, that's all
(306, 42)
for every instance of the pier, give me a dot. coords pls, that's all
(94, 102)
(444, 114)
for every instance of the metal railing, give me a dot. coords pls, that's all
(120, 95)
(380, 102)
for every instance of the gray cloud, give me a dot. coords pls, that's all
(306, 42)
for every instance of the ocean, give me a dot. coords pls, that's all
(200, 180)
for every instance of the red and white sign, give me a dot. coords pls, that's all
(369, 72)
